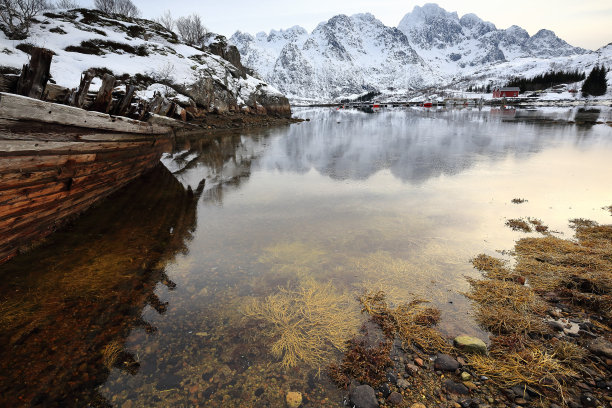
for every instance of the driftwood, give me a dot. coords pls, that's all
(34, 76)
(79, 96)
(124, 106)
(8, 83)
(104, 97)
(20, 108)
(57, 94)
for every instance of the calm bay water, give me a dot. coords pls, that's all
(231, 275)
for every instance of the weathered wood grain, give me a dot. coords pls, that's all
(17, 107)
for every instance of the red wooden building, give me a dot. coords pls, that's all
(508, 92)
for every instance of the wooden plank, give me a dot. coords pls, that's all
(124, 106)
(21, 147)
(104, 97)
(12, 215)
(35, 74)
(33, 163)
(79, 97)
(10, 181)
(17, 107)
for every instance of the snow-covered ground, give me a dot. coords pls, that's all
(148, 49)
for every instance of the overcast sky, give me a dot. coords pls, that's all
(584, 23)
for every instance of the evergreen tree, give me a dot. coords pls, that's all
(595, 84)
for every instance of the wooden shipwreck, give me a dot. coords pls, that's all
(57, 160)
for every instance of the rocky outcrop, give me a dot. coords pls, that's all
(218, 45)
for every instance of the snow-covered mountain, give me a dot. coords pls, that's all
(342, 56)
(457, 45)
(145, 54)
(430, 47)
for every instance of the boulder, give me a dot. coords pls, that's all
(470, 344)
(363, 396)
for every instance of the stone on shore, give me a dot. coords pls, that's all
(363, 397)
(445, 362)
(470, 344)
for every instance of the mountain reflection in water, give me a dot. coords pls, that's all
(414, 147)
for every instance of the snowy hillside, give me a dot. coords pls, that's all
(143, 51)
(430, 48)
(343, 56)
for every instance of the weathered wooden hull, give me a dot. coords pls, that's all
(50, 172)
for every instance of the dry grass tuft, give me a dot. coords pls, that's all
(518, 201)
(308, 324)
(609, 209)
(412, 321)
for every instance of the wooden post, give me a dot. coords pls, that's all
(79, 96)
(34, 76)
(126, 101)
(105, 95)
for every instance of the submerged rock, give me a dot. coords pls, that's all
(456, 388)
(445, 362)
(470, 344)
(294, 399)
(395, 398)
(363, 397)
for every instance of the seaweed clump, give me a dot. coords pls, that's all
(308, 324)
(412, 322)
(365, 363)
(528, 225)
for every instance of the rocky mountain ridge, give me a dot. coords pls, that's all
(431, 47)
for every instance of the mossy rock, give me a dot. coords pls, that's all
(471, 345)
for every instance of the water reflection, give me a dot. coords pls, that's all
(68, 306)
(413, 147)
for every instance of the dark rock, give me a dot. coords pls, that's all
(445, 362)
(391, 377)
(259, 391)
(363, 397)
(455, 388)
(601, 346)
(384, 389)
(521, 392)
(465, 403)
(395, 398)
(588, 400)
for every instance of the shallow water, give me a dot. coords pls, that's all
(182, 289)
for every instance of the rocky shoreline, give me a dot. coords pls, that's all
(549, 344)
